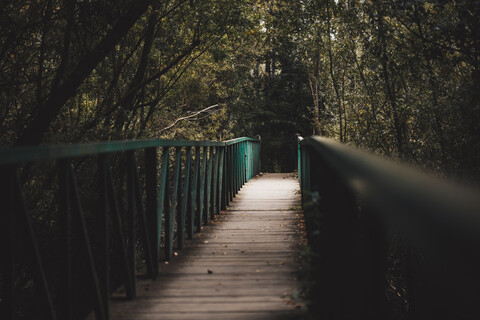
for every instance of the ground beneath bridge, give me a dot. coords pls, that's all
(244, 265)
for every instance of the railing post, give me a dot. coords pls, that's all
(131, 221)
(170, 217)
(7, 244)
(103, 227)
(163, 194)
(66, 304)
(118, 225)
(143, 223)
(299, 161)
(81, 229)
(25, 224)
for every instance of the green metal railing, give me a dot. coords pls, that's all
(161, 192)
(382, 230)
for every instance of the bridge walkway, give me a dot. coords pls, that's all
(243, 265)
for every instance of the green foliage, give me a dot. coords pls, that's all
(398, 77)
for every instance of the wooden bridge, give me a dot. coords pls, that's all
(120, 250)
(165, 229)
(243, 265)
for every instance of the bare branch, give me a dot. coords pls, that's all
(188, 117)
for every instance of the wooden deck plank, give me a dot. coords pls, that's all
(243, 265)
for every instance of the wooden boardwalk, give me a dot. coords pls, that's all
(242, 266)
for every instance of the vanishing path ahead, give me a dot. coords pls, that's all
(242, 266)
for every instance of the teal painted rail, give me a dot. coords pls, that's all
(380, 229)
(157, 196)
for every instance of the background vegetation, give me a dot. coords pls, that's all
(398, 77)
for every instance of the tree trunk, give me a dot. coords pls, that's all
(48, 111)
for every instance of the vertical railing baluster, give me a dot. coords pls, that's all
(242, 164)
(206, 217)
(131, 220)
(7, 242)
(239, 166)
(171, 214)
(66, 304)
(163, 192)
(31, 240)
(231, 165)
(193, 196)
(82, 231)
(245, 161)
(254, 157)
(117, 223)
(151, 184)
(221, 182)
(248, 160)
(215, 183)
(237, 169)
(228, 178)
(185, 199)
(104, 270)
(143, 224)
(201, 191)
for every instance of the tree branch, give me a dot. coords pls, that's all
(188, 117)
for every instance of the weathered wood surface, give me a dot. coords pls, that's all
(242, 266)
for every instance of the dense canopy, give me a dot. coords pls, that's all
(401, 78)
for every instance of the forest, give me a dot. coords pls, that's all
(400, 78)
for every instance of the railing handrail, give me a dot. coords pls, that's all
(241, 139)
(358, 206)
(402, 189)
(61, 151)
